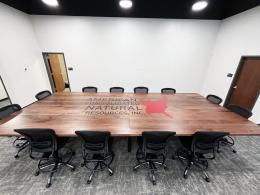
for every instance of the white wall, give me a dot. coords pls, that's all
(3, 94)
(238, 36)
(127, 52)
(19, 50)
(107, 52)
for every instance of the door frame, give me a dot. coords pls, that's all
(237, 73)
(1, 80)
(44, 54)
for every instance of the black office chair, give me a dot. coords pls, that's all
(239, 110)
(42, 95)
(97, 153)
(198, 149)
(44, 146)
(116, 90)
(152, 150)
(228, 140)
(141, 90)
(89, 90)
(214, 99)
(21, 143)
(8, 110)
(168, 90)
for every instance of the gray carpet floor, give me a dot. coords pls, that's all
(230, 173)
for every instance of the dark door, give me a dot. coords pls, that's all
(245, 87)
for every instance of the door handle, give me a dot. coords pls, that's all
(234, 87)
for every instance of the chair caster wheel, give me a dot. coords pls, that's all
(16, 156)
(234, 151)
(89, 181)
(134, 169)
(206, 164)
(110, 174)
(185, 176)
(18, 145)
(218, 151)
(207, 179)
(37, 173)
(82, 165)
(165, 168)
(73, 169)
(48, 185)
(154, 183)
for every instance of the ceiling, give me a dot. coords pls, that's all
(179, 9)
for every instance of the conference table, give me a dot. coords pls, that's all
(127, 114)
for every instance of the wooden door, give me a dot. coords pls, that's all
(245, 88)
(56, 72)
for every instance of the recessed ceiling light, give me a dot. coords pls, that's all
(53, 3)
(126, 4)
(199, 5)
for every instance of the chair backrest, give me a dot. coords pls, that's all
(206, 141)
(214, 99)
(168, 90)
(116, 90)
(89, 89)
(156, 140)
(141, 90)
(94, 140)
(43, 94)
(239, 110)
(41, 140)
(8, 110)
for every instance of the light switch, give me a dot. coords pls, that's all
(229, 75)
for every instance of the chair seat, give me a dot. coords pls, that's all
(204, 146)
(46, 155)
(62, 141)
(98, 157)
(94, 147)
(186, 141)
(151, 146)
(200, 155)
(155, 147)
(152, 156)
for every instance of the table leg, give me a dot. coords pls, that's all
(129, 143)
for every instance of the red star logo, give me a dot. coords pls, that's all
(158, 106)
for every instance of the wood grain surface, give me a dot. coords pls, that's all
(127, 115)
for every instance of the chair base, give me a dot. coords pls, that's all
(227, 141)
(56, 162)
(56, 166)
(202, 164)
(152, 168)
(99, 162)
(21, 145)
(101, 165)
